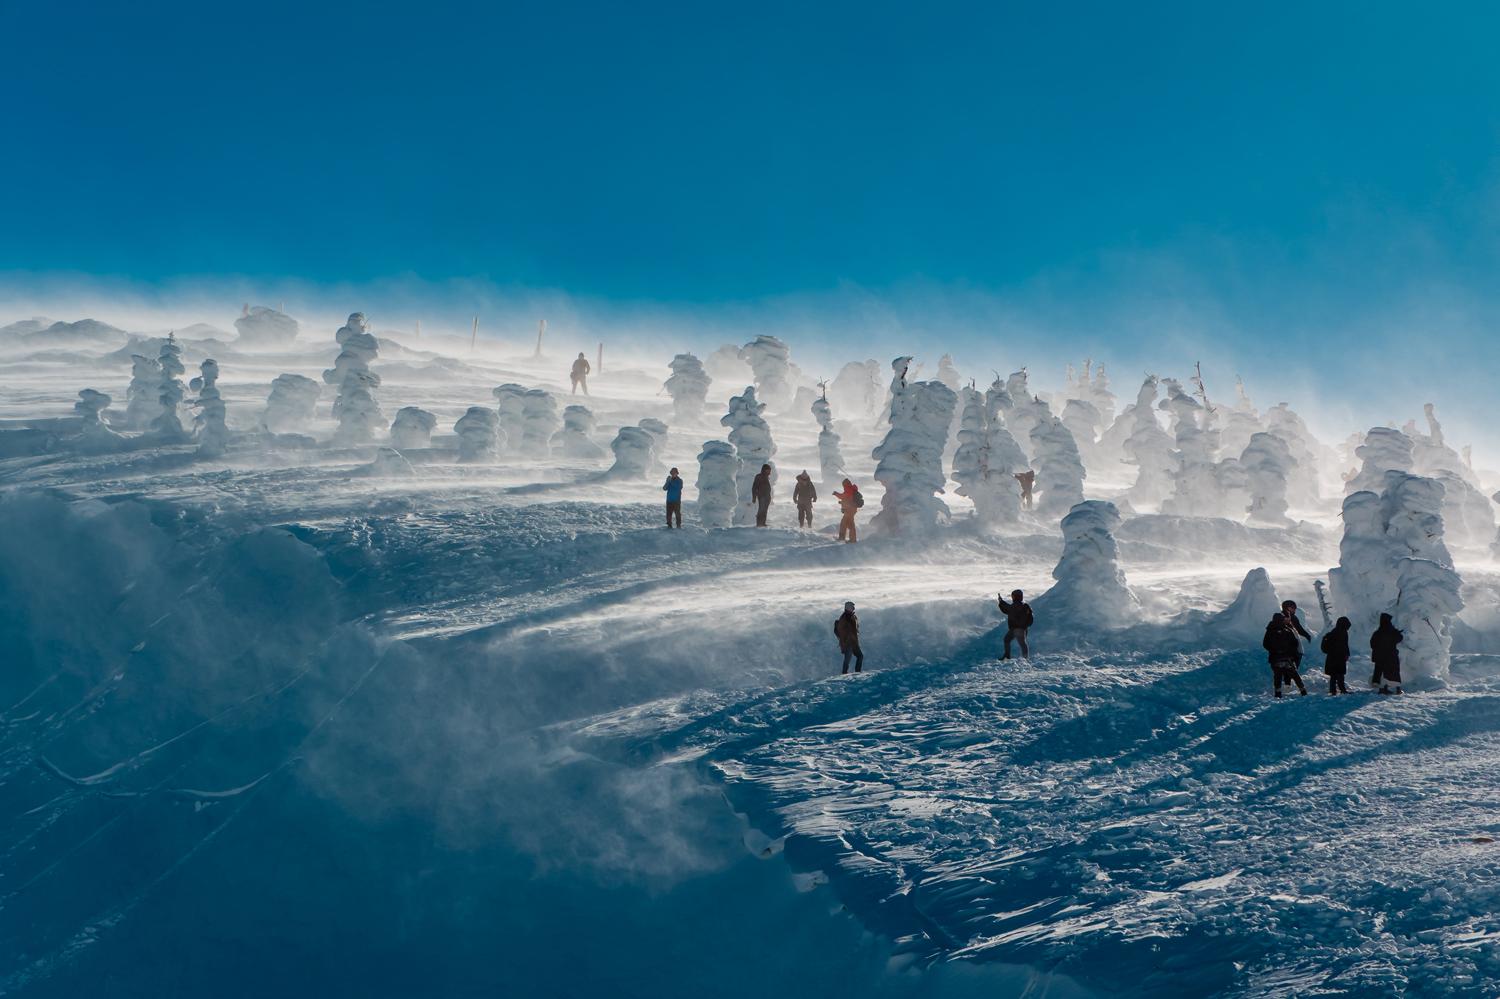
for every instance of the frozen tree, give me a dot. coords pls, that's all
(1245, 618)
(143, 396)
(1195, 483)
(539, 421)
(1059, 469)
(511, 401)
(753, 447)
(900, 368)
(1241, 422)
(688, 387)
(412, 428)
(830, 458)
(1023, 414)
(1468, 518)
(986, 462)
(170, 391)
(635, 453)
(1090, 591)
(717, 496)
(291, 404)
(1267, 464)
(209, 424)
(947, 373)
(261, 326)
(858, 391)
(479, 435)
(1100, 396)
(769, 359)
(1148, 448)
(1282, 421)
(576, 438)
(1084, 422)
(910, 459)
(1385, 449)
(726, 365)
(355, 408)
(388, 463)
(94, 435)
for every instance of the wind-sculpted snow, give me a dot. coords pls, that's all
(480, 438)
(412, 428)
(1268, 464)
(262, 326)
(1385, 449)
(1196, 488)
(635, 453)
(858, 391)
(830, 457)
(291, 404)
(1090, 591)
(209, 425)
(1245, 618)
(170, 391)
(986, 462)
(910, 459)
(510, 399)
(143, 396)
(753, 447)
(948, 374)
(688, 386)
(1308, 451)
(539, 421)
(1468, 517)
(94, 435)
(576, 438)
(1148, 447)
(1084, 422)
(355, 407)
(1059, 469)
(769, 359)
(718, 494)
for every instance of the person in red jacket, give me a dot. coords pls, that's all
(850, 500)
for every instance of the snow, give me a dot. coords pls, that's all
(910, 458)
(576, 438)
(718, 495)
(355, 407)
(291, 404)
(688, 386)
(263, 326)
(412, 428)
(1059, 469)
(1091, 592)
(769, 360)
(753, 448)
(1268, 464)
(479, 435)
(209, 426)
(830, 457)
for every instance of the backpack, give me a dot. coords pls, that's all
(1030, 617)
(1324, 643)
(859, 499)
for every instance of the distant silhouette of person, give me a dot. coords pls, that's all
(760, 491)
(673, 489)
(1335, 646)
(804, 495)
(1028, 481)
(846, 629)
(850, 500)
(580, 374)
(1018, 620)
(1385, 650)
(1282, 650)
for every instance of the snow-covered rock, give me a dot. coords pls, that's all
(480, 438)
(910, 459)
(1267, 464)
(753, 448)
(412, 428)
(263, 327)
(1090, 591)
(209, 422)
(291, 404)
(576, 438)
(688, 386)
(717, 493)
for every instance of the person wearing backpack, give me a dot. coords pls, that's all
(1335, 646)
(804, 495)
(1018, 619)
(1385, 650)
(846, 630)
(1283, 650)
(850, 500)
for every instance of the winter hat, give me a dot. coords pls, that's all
(848, 605)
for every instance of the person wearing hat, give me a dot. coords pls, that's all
(760, 492)
(846, 629)
(804, 494)
(673, 489)
(1018, 618)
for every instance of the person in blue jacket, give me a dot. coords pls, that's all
(673, 489)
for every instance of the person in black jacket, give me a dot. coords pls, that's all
(760, 491)
(1384, 650)
(1335, 646)
(1283, 650)
(1289, 611)
(804, 494)
(846, 629)
(1018, 618)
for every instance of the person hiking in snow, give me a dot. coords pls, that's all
(846, 629)
(1283, 651)
(760, 491)
(850, 500)
(1027, 479)
(1289, 611)
(1335, 646)
(579, 376)
(804, 495)
(673, 488)
(1384, 649)
(1018, 618)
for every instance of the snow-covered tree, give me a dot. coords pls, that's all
(209, 423)
(688, 387)
(1267, 464)
(727, 365)
(1149, 448)
(753, 448)
(986, 462)
(910, 459)
(576, 438)
(635, 453)
(1241, 422)
(1101, 397)
(1090, 591)
(1195, 483)
(1385, 449)
(1059, 469)
(291, 404)
(480, 438)
(1246, 616)
(1468, 518)
(539, 421)
(170, 392)
(143, 396)
(1084, 422)
(900, 368)
(769, 359)
(1303, 489)
(412, 428)
(947, 373)
(858, 390)
(510, 400)
(717, 495)
(262, 326)
(94, 435)
(355, 407)
(830, 457)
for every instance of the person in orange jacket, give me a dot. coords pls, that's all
(850, 500)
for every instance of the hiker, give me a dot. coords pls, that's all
(804, 495)
(1282, 651)
(673, 488)
(1027, 480)
(847, 630)
(850, 500)
(760, 491)
(580, 374)
(1335, 646)
(1289, 611)
(1018, 618)
(1383, 649)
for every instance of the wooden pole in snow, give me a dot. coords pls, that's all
(474, 336)
(541, 327)
(599, 368)
(419, 329)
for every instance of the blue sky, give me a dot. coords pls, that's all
(1322, 172)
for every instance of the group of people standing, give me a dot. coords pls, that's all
(804, 495)
(1283, 647)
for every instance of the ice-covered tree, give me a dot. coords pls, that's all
(1195, 483)
(170, 391)
(539, 421)
(1267, 464)
(143, 396)
(479, 435)
(900, 368)
(209, 423)
(1090, 591)
(412, 428)
(947, 373)
(753, 448)
(1149, 448)
(1385, 449)
(1468, 518)
(717, 495)
(355, 407)
(1084, 422)
(1241, 422)
(769, 359)
(688, 387)
(830, 457)
(262, 326)
(510, 400)
(986, 462)
(1059, 469)
(1023, 413)
(1246, 616)
(1284, 422)
(726, 365)
(93, 434)
(1096, 391)
(635, 453)
(291, 404)
(576, 438)
(858, 390)
(910, 459)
